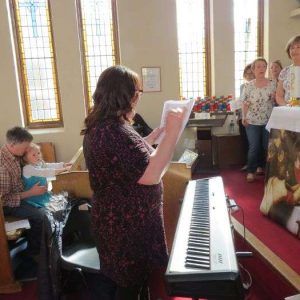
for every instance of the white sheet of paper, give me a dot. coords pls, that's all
(173, 104)
(12, 226)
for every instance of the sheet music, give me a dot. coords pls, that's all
(12, 226)
(173, 104)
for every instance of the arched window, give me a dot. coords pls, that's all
(36, 62)
(99, 40)
(248, 36)
(193, 47)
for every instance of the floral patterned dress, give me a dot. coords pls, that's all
(127, 216)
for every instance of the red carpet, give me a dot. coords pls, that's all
(29, 292)
(248, 196)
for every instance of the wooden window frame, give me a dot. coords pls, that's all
(207, 45)
(25, 98)
(260, 28)
(83, 48)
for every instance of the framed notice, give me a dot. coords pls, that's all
(151, 79)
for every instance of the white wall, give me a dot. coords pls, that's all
(281, 28)
(147, 32)
(148, 38)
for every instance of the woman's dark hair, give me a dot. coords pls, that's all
(18, 135)
(115, 89)
(292, 41)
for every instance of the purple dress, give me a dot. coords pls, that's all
(127, 216)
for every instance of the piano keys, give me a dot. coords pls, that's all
(203, 262)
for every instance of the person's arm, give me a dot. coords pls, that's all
(30, 170)
(55, 165)
(36, 190)
(162, 155)
(245, 106)
(280, 94)
(150, 139)
(244, 113)
(62, 166)
(14, 197)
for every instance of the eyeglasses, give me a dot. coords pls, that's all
(139, 91)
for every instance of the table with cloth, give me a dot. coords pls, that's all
(281, 200)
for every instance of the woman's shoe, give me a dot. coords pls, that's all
(250, 177)
(259, 171)
(244, 168)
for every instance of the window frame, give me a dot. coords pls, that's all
(207, 51)
(207, 30)
(22, 78)
(87, 97)
(260, 28)
(260, 36)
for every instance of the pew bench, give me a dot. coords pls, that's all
(8, 284)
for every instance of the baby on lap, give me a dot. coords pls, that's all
(36, 171)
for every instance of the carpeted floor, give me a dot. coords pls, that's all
(248, 196)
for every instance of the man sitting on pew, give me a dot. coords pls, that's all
(11, 187)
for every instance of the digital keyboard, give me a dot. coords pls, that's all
(203, 261)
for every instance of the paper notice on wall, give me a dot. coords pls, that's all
(295, 82)
(174, 104)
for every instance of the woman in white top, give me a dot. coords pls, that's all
(258, 101)
(283, 92)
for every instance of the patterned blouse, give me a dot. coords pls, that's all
(260, 102)
(285, 77)
(127, 216)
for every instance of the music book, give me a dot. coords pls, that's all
(174, 104)
(77, 160)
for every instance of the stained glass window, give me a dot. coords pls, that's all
(247, 36)
(193, 38)
(36, 58)
(98, 23)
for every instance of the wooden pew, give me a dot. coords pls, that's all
(8, 284)
(48, 151)
(76, 183)
(175, 180)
